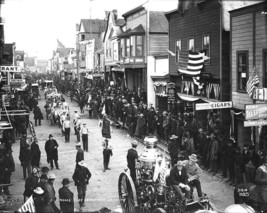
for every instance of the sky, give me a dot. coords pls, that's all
(35, 25)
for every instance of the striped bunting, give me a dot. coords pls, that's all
(190, 63)
(252, 83)
(28, 206)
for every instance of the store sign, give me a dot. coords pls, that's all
(255, 123)
(214, 105)
(17, 81)
(255, 111)
(9, 69)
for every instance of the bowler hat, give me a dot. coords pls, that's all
(50, 135)
(134, 143)
(65, 181)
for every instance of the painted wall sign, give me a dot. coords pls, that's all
(214, 105)
(255, 123)
(255, 111)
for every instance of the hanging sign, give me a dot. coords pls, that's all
(10, 69)
(255, 123)
(214, 105)
(255, 111)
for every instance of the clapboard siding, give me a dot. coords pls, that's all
(195, 23)
(240, 100)
(158, 44)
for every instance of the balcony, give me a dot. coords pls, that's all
(133, 62)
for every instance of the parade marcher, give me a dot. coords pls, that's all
(10, 167)
(173, 149)
(78, 124)
(51, 148)
(80, 153)
(66, 197)
(66, 129)
(50, 194)
(85, 134)
(36, 154)
(132, 157)
(43, 181)
(25, 159)
(38, 116)
(38, 199)
(193, 172)
(179, 180)
(261, 180)
(213, 153)
(75, 118)
(31, 183)
(107, 152)
(81, 178)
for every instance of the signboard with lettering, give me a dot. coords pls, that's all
(255, 111)
(17, 81)
(214, 105)
(10, 69)
(255, 123)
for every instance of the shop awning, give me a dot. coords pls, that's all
(118, 69)
(160, 76)
(191, 98)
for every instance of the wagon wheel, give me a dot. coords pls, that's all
(127, 193)
(159, 210)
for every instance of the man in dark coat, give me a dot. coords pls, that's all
(107, 152)
(38, 116)
(51, 146)
(79, 154)
(50, 195)
(179, 180)
(66, 197)
(25, 157)
(36, 154)
(10, 167)
(81, 178)
(31, 183)
(132, 157)
(173, 149)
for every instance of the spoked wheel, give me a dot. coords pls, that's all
(127, 193)
(159, 210)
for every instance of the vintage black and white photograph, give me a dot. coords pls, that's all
(133, 106)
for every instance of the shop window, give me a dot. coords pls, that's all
(264, 68)
(178, 46)
(122, 48)
(132, 46)
(128, 47)
(242, 70)
(139, 46)
(206, 47)
(191, 44)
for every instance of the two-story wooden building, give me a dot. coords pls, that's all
(248, 50)
(202, 25)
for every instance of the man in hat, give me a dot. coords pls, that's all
(107, 152)
(51, 146)
(85, 133)
(38, 199)
(66, 129)
(36, 153)
(50, 195)
(79, 154)
(173, 149)
(81, 178)
(38, 116)
(132, 157)
(78, 124)
(25, 159)
(66, 197)
(179, 180)
(75, 118)
(193, 172)
(31, 183)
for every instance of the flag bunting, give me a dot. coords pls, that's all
(252, 83)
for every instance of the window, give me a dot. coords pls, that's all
(128, 47)
(82, 37)
(264, 68)
(132, 46)
(191, 44)
(139, 46)
(242, 70)
(122, 48)
(206, 47)
(107, 49)
(178, 46)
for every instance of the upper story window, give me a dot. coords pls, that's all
(206, 47)
(139, 46)
(132, 45)
(242, 70)
(106, 49)
(82, 37)
(128, 47)
(191, 44)
(178, 46)
(122, 48)
(264, 68)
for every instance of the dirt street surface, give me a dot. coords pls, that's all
(103, 187)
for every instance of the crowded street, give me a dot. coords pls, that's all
(103, 186)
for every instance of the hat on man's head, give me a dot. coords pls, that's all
(179, 163)
(134, 143)
(75, 111)
(44, 176)
(35, 170)
(78, 144)
(50, 135)
(82, 163)
(38, 191)
(84, 123)
(173, 137)
(65, 181)
(51, 176)
(193, 158)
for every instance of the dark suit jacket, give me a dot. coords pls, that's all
(176, 178)
(79, 155)
(66, 200)
(131, 157)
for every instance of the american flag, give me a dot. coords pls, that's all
(190, 63)
(252, 83)
(28, 206)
